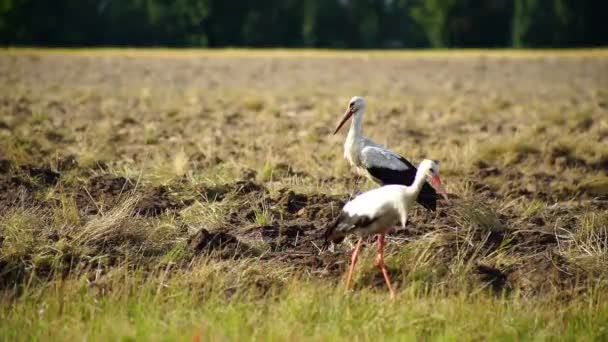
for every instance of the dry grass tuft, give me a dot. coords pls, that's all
(479, 216)
(596, 187)
(588, 245)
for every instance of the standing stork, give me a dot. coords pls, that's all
(376, 162)
(376, 211)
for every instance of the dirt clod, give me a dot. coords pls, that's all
(493, 277)
(284, 236)
(226, 245)
(217, 193)
(45, 175)
(486, 170)
(67, 163)
(319, 208)
(5, 166)
(564, 157)
(157, 200)
(248, 174)
(102, 192)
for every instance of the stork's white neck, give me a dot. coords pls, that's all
(420, 179)
(354, 133)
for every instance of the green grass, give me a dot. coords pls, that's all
(139, 308)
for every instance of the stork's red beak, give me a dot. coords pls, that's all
(349, 112)
(436, 183)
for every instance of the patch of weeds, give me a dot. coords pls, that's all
(91, 150)
(592, 225)
(70, 179)
(38, 117)
(480, 217)
(216, 174)
(265, 174)
(207, 213)
(175, 254)
(254, 104)
(588, 245)
(507, 152)
(112, 225)
(421, 252)
(18, 149)
(65, 211)
(595, 187)
(262, 217)
(18, 229)
(427, 274)
(59, 135)
(534, 208)
(151, 135)
(180, 163)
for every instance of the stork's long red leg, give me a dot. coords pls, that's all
(353, 261)
(380, 263)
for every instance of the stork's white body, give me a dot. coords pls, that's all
(377, 210)
(386, 206)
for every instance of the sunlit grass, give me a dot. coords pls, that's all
(174, 309)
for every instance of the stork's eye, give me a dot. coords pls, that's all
(351, 104)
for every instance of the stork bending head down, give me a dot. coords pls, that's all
(377, 163)
(376, 211)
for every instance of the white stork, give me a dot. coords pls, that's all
(377, 163)
(376, 211)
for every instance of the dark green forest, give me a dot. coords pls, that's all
(305, 23)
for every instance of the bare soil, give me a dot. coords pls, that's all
(80, 125)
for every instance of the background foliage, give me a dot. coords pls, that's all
(304, 23)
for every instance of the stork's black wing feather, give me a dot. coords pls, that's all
(427, 196)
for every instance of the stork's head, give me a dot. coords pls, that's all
(430, 168)
(356, 106)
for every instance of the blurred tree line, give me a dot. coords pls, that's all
(305, 23)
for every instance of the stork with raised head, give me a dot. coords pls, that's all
(376, 162)
(376, 211)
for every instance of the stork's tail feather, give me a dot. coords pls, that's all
(346, 224)
(332, 232)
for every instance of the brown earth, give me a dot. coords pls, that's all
(295, 235)
(256, 136)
